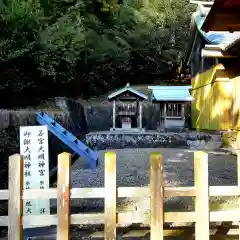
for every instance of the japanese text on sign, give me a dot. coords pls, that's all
(34, 148)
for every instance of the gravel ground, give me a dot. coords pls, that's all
(133, 170)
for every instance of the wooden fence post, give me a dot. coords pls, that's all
(202, 195)
(63, 189)
(156, 187)
(110, 196)
(238, 179)
(15, 202)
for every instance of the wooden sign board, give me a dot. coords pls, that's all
(34, 149)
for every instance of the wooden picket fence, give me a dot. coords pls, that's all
(155, 218)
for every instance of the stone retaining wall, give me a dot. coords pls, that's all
(110, 140)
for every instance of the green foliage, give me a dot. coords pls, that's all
(89, 46)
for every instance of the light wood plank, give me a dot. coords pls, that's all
(181, 217)
(202, 196)
(30, 194)
(238, 174)
(174, 232)
(40, 220)
(221, 191)
(4, 221)
(15, 203)
(86, 219)
(111, 196)
(74, 193)
(128, 192)
(87, 193)
(125, 218)
(63, 206)
(3, 194)
(133, 192)
(156, 186)
(128, 218)
(225, 216)
(179, 232)
(179, 191)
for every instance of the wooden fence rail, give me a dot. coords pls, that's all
(155, 218)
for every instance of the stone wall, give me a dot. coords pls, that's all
(100, 141)
(76, 117)
(67, 111)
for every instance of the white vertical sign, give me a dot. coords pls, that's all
(34, 149)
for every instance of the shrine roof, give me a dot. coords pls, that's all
(224, 38)
(171, 93)
(126, 89)
(223, 16)
(224, 41)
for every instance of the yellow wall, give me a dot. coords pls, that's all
(217, 104)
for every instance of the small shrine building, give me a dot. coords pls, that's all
(172, 101)
(127, 108)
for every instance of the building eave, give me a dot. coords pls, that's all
(223, 16)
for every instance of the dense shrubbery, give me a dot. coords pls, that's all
(85, 47)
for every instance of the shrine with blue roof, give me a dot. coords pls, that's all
(171, 103)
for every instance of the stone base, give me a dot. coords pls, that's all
(145, 139)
